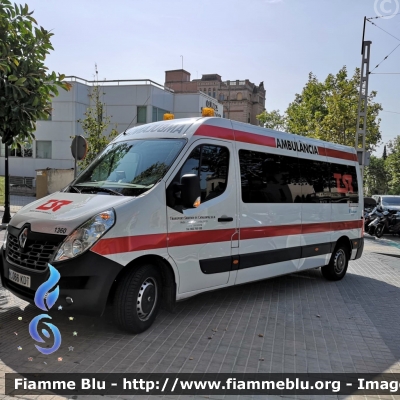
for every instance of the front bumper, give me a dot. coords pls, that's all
(87, 279)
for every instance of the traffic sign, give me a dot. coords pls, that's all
(79, 146)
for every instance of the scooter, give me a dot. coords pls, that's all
(389, 222)
(369, 218)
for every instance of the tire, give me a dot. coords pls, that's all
(137, 299)
(337, 267)
(379, 231)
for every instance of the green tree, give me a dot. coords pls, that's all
(392, 164)
(376, 177)
(26, 85)
(272, 120)
(328, 110)
(95, 125)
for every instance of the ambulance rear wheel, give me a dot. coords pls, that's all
(337, 267)
(137, 299)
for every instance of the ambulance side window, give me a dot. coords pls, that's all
(269, 178)
(211, 164)
(343, 180)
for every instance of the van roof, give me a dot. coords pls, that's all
(223, 129)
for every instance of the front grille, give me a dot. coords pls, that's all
(35, 255)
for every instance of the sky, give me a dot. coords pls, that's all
(278, 42)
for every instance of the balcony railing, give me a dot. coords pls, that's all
(118, 82)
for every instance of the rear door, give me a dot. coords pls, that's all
(346, 207)
(200, 240)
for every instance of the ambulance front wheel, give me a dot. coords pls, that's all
(137, 299)
(337, 267)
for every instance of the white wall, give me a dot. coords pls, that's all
(190, 104)
(121, 105)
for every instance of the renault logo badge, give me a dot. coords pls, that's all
(23, 238)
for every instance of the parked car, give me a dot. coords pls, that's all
(388, 202)
(369, 204)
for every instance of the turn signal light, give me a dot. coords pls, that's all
(197, 202)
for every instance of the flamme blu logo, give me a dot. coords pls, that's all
(43, 295)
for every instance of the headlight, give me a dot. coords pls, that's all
(5, 239)
(86, 235)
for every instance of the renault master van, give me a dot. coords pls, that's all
(175, 208)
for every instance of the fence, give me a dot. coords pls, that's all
(22, 192)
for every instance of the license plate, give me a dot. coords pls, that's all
(23, 280)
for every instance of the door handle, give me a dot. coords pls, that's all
(225, 219)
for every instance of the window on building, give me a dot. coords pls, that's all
(239, 96)
(209, 91)
(141, 114)
(158, 114)
(214, 94)
(43, 149)
(24, 150)
(211, 164)
(27, 150)
(248, 119)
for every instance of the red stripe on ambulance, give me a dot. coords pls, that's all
(146, 242)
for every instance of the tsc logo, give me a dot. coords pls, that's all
(344, 180)
(53, 205)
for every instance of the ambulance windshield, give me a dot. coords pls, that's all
(129, 168)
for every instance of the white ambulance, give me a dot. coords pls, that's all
(175, 208)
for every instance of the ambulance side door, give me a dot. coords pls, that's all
(200, 239)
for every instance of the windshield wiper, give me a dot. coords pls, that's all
(75, 188)
(99, 189)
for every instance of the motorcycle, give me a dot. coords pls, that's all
(369, 218)
(389, 222)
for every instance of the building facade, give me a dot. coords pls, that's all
(242, 99)
(128, 103)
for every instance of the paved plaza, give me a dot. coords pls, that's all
(295, 323)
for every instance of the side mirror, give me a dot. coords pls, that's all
(190, 190)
